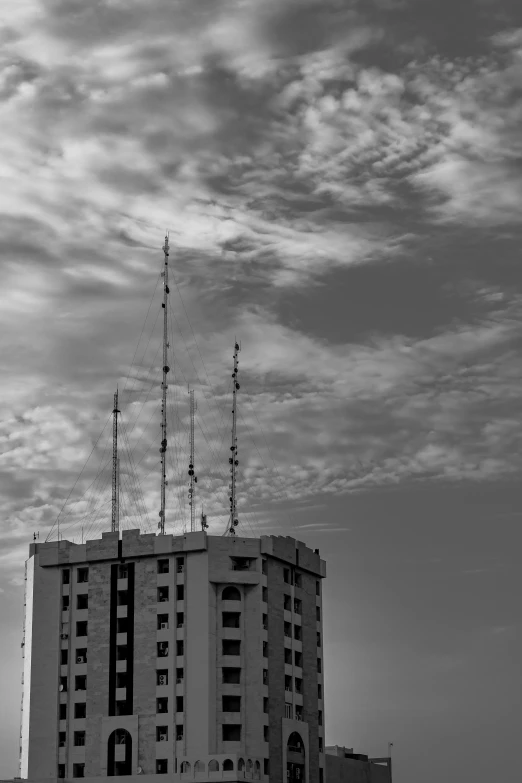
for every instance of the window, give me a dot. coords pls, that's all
(162, 733)
(80, 710)
(228, 765)
(80, 682)
(320, 717)
(231, 703)
(82, 601)
(123, 571)
(265, 704)
(79, 738)
(162, 766)
(61, 739)
(231, 619)
(162, 677)
(240, 563)
(63, 684)
(78, 770)
(264, 594)
(318, 639)
(320, 745)
(265, 733)
(180, 619)
(298, 712)
(266, 766)
(213, 766)
(180, 647)
(63, 712)
(123, 597)
(298, 685)
(288, 682)
(64, 657)
(163, 566)
(121, 679)
(163, 594)
(231, 676)
(231, 646)
(265, 676)
(180, 565)
(317, 587)
(120, 737)
(265, 649)
(231, 732)
(122, 708)
(121, 652)
(298, 658)
(185, 766)
(287, 603)
(321, 775)
(264, 568)
(265, 622)
(66, 575)
(83, 575)
(298, 580)
(179, 674)
(179, 703)
(65, 603)
(288, 655)
(61, 770)
(81, 628)
(179, 731)
(180, 592)
(287, 630)
(319, 667)
(288, 711)
(230, 594)
(162, 649)
(298, 605)
(298, 633)
(318, 613)
(162, 705)
(81, 655)
(163, 621)
(319, 691)
(122, 625)
(286, 575)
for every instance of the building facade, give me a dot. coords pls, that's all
(342, 765)
(198, 657)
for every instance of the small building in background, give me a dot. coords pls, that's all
(342, 765)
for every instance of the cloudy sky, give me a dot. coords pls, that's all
(342, 184)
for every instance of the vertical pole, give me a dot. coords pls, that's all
(192, 477)
(118, 496)
(166, 369)
(114, 523)
(233, 461)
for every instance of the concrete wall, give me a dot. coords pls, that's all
(197, 656)
(28, 650)
(341, 770)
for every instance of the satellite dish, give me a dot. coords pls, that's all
(139, 770)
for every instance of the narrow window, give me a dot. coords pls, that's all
(64, 657)
(121, 652)
(297, 605)
(163, 594)
(264, 568)
(266, 766)
(162, 705)
(298, 685)
(121, 679)
(78, 770)
(231, 732)
(179, 731)
(288, 655)
(162, 766)
(319, 691)
(265, 622)
(61, 770)
(318, 613)
(298, 580)
(82, 601)
(83, 575)
(81, 655)
(320, 744)
(288, 711)
(287, 630)
(286, 575)
(288, 682)
(122, 571)
(265, 649)
(317, 587)
(318, 639)
(163, 566)
(287, 603)
(231, 676)
(62, 736)
(180, 592)
(65, 603)
(66, 575)
(179, 703)
(63, 712)
(265, 733)
(162, 733)
(298, 712)
(80, 709)
(298, 633)
(80, 682)
(180, 647)
(122, 624)
(264, 595)
(320, 717)
(162, 677)
(265, 676)
(163, 622)
(319, 667)
(81, 628)
(79, 738)
(265, 704)
(298, 658)
(231, 703)
(180, 619)
(179, 565)
(63, 684)
(179, 675)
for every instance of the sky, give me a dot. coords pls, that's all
(342, 186)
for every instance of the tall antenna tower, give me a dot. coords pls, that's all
(115, 466)
(164, 387)
(233, 461)
(193, 480)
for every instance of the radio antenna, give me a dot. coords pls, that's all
(193, 480)
(233, 461)
(164, 387)
(115, 466)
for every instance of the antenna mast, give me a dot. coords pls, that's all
(233, 461)
(166, 369)
(115, 460)
(193, 480)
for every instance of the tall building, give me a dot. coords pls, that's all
(199, 657)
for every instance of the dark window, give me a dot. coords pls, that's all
(232, 676)
(321, 775)
(289, 713)
(162, 705)
(287, 602)
(228, 765)
(80, 709)
(179, 675)
(320, 717)
(265, 703)
(298, 604)
(63, 684)
(179, 703)
(81, 655)
(231, 646)
(162, 733)
(230, 594)
(65, 603)
(265, 649)
(298, 712)
(231, 619)
(83, 575)
(163, 649)
(61, 770)
(288, 682)
(123, 597)
(240, 563)
(163, 594)
(78, 770)
(298, 658)
(122, 708)
(120, 737)
(180, 592)
(121, 679)
(319, 666)
(64, 657)
(180, 619)
(232, 732)
(287, 629)
(264, 568)
(79, 738)
(63, 712)
(82, 601)
(286, 575)
(163, 619)
(179, 565)
(288, 655)
(319, 691)
(179, 731)
(162, 677)
(122, 625)
(317, 587)
(121, 652)
(298, 580)
(265, 733)
(80, 682)
(162, 766)
(298, 685)
(264, 594)
(320, 744)
(265, 622)
(163, 566)
(266, 767)
(66, 575)
(61, 739)
(180, 647)
(231, 703)
(265, 676)
(81, 628)
(123, 571)
(318, 639)
(298, 632)
(318, 613)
